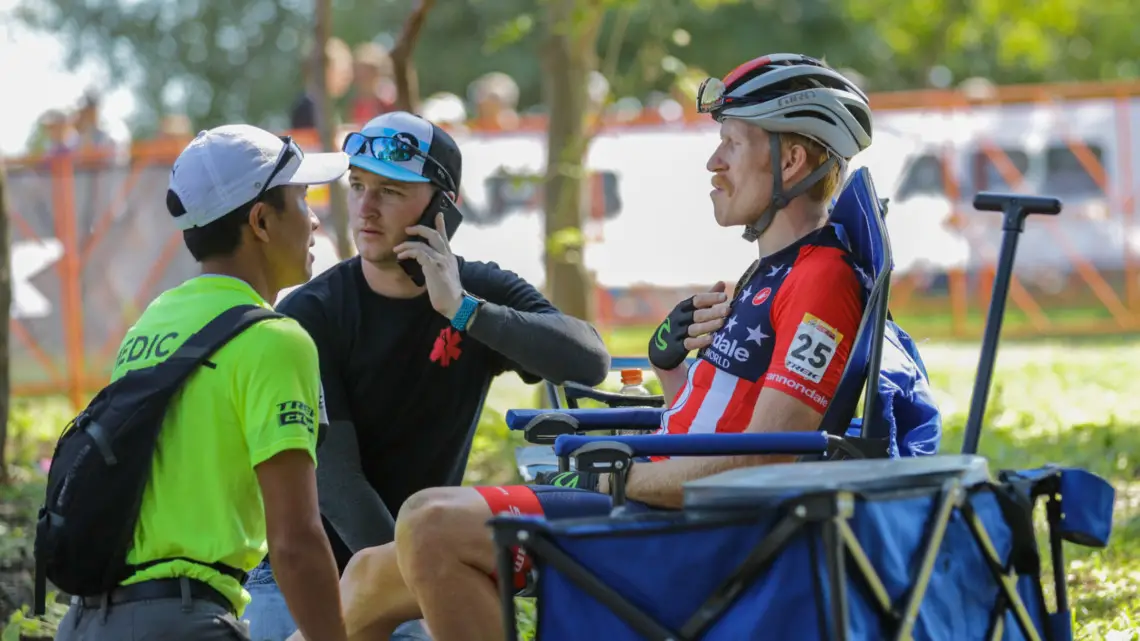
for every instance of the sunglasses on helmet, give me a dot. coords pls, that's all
(394, 150)
(711, 94)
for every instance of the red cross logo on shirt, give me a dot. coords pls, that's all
(446, 348)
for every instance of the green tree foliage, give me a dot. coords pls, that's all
(1104, 45)
(214, 61)
(221, 61)
(1003, 40)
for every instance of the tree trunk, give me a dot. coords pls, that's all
(327, 124)
(5, 314)
(572, 33)
(407, 83)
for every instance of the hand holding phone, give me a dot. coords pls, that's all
(429, 248)
(452, 217)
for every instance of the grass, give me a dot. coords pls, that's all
(1074, 403)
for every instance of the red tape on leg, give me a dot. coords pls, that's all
(518, 500)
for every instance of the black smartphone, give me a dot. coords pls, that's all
(452, 217)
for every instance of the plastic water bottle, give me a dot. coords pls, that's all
(633, 384)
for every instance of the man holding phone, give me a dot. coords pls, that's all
(410, 337)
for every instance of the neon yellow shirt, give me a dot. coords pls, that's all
(261, 397)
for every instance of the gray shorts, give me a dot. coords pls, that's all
(172, 619)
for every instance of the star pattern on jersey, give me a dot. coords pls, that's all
(756, 335)
(777, 270)
(746, 293)
(863, 277)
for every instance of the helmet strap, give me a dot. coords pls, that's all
(781, 198)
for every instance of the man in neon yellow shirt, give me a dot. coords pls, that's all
(233, 474)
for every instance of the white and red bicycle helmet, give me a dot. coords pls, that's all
(833, 112)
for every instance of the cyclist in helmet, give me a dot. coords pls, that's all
(770, 357)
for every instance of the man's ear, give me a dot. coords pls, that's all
(794, 159)
(257, 220)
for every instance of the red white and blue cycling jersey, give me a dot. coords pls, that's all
(791, 328)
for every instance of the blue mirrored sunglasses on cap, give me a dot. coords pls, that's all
(390, 149)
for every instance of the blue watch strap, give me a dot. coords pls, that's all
(466, 309)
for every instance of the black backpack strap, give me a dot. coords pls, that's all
(159, 383)
(170, 373)
(213, 335)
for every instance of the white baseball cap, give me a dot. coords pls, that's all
(228, 166)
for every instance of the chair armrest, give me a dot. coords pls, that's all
(698, 444)
(609, 454)
(541, 427)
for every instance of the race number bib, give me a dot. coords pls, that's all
(812, 349)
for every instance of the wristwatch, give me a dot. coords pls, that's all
(467, 311)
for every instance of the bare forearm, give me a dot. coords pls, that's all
(556, 347)
(306, 572)
(660, 484)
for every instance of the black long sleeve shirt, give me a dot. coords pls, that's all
(404, 390)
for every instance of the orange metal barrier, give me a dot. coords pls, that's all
(1075, 273)
(95, 253)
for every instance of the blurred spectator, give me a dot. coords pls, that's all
(446, 110)
(495, 96)
(55, 134)
(90, 134)
(374, 85)
(338, 77)
(978, 88)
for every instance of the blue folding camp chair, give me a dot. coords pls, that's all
(918, 547)
(899, 416)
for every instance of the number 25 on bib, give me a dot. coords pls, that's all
(812, 348)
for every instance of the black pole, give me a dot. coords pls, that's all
(875, 366)
(990, 344)
(1057, 552)
(1015, 209)
(504, 536)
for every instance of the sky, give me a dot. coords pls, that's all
(34, 61)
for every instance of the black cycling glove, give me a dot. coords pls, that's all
(667, 345)
(580, 480)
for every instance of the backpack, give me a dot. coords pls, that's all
(907, 414)
(102, 464)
